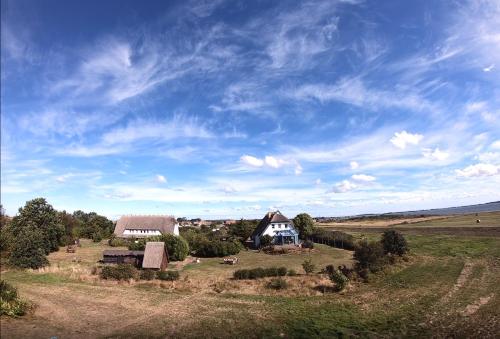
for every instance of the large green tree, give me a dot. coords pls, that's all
(242, 229)
(92, 225)
(304, 224)
(38, 215)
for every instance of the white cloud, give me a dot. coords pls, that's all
(252, 161)
(489, 157)
(401, 139)
(495, 144)
(435, 154)
(489, 68)
(354, 165)
(478, 170)
(318, 181)
(229, 189)
(344, 186)
(160, 179)
(273, 162)
(363, 177)
(298, 169)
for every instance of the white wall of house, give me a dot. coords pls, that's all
(141, 233)
(176, 229)
(273, 228)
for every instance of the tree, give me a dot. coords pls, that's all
(266, 240)
(394, 243)
(38, 215)
(70, 225)
(242, 229)
(304, 224)
(308, 266)
(177, 247)
(369, 255)
(28, 249)
(92, 225)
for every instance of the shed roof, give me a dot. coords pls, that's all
(163, 223)
(122, 253)
(270, 217)
(153, 254)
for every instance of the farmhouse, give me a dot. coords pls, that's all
(277, 226)
(155, 255)
(141, 226)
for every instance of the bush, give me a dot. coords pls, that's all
(308, 266)
(339, 279)
(177, 247)
(96, 237)
(282, 271)
(292, 273)
(278, 284)
(241, 274)
(266, 240)
(147, 275)
(137, 245)
(217, 248)
(119, 272)
(27, 249)
(118, 242)
(308, 244)
(394, 243)
(10, 303)
(259, 272)
(369, 255)
(168, 275)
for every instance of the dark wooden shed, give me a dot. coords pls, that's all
(123, 257)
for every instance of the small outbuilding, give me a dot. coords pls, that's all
(155, 256)
(123, 257)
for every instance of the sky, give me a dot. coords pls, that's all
(229, 109)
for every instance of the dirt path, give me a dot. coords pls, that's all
(461, 280)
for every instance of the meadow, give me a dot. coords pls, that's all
(448, 286)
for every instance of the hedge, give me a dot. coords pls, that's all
(119, 272)
(259, 272)
(168, 275)
(334, 239)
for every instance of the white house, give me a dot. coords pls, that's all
(279, 227)
(142, 226)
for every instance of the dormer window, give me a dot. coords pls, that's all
(272, 226)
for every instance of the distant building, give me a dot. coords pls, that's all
(155, 255)
(138, 226)
(279, 227)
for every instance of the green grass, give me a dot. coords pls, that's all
(443, 246)
(24, 277)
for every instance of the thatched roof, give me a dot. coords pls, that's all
(163, 223)
(122, 253)
(153, 254)
(269, 218)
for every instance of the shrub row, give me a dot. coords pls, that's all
(119, 272)
(259, 272)
(333, 238)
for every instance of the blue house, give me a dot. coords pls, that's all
(279, 227)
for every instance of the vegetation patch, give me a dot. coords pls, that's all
(119, 272)
(168, 275)
(259, 272)
(10, 303)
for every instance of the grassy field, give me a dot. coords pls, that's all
(448, 287)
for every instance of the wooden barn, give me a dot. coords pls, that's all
(123, 257)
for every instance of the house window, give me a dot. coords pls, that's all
(286, 226)
(279, 225)
(272, 226)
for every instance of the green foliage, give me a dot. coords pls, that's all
(90, 224)
(259, 272)
(304, 225)
(394, 243)
(28, 249)
(369, 255)
(339, 279)
(278, 284)
(242, 229)
(195, 237)
(168, 275)
(118, 242)
(139, 244)
(308, 244)
(177, 247)
(292, 273)
(97, 237)
(119, 272)
(70, 225)
(217, 248)
(147, 274)
(333, 238)
(10, 303)
(266, 240)
(41, 218)
(308, 266)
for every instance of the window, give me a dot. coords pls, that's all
(279, 225)
(272, 226)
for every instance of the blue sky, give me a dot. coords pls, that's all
(231, 108)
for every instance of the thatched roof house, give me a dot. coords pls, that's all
(155, 255)
(277, 226)
(141, 226)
